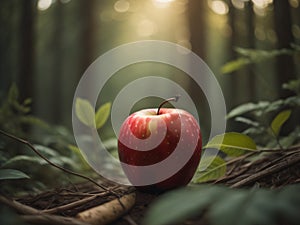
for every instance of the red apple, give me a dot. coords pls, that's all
(160, 149)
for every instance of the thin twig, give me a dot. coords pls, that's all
(275, 168)
(19, 207)
(27, 143)
(74, 204)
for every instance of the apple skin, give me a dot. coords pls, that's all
(139, 126)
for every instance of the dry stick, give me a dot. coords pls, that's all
(74, 204)
(35, 216)
(19, 207)
(291, 150)
(266, 172)
(229, 176)
(107, 212)
(27, 143)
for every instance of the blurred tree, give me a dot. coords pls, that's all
(88, 33)
(283, 29)
(58, 58)
(197, 20)
(9, 42)
(27, 47)
(242, 27)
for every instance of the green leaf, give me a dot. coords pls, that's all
(235, 65)
(210, 168)
(10, 174)
(225, 206)
(257, 55)
(247, 121)
(85, 112)
(23, 160)
(249, 56)
(233, 144)
(46, 151)
(293, 85)
(248, 107)
(77, 152)
(13, 94)
(31, 120)
(279, 120)
(179, 205)
(102, 115)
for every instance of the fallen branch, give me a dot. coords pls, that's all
(108, 212)
(18, 207)
(99, 215)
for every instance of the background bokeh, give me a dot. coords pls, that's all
(46, 45)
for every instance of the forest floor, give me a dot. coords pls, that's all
(274, 170)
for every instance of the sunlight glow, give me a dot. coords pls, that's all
(262, 3)
(294, 3)
(239, 4)
(162, 3)
(146, 28)
(44, 4)
(219, 7)
(122, 6)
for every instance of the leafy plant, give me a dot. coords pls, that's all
(220, 205)
(14, 115)
(56, 144)
(264, 119)
(9, 174)
(86, 113)
(251, 56)
(229, 144)
(224, 206)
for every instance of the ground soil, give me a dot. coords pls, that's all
(272, 170)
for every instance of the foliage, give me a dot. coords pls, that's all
(14, 115)
(260, 130)
(251, 56)
(264, 120)
(229, 144)
(210, 168)
(86, 114)
(9, 174)
(225, 206)
(56, 143)
(232, 144)
(279, 120)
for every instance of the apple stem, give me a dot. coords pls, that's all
(173, 99)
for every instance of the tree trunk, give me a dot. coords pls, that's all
(283, 28)
(57, 44)
(250, 43)
(197, 26)
(87, 41)
(27, 48)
